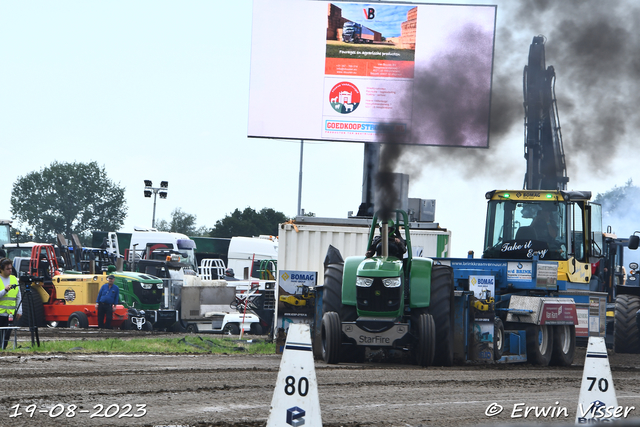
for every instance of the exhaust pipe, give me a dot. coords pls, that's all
(385, 239)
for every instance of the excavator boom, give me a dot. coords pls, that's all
(543, 150)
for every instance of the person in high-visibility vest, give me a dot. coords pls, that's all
(9, 298)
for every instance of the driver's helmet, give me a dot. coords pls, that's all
(392, 227)
(530, 211)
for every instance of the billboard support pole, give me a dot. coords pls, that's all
(300, 180)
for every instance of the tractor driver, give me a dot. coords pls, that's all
(545, 223)
(397, 245)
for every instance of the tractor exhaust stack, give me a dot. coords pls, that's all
(384, 231)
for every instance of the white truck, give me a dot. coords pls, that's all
(304, 243)
(246, 255)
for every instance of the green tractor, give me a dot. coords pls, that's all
(397, 302)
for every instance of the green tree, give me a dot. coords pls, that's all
(182, 222)
(249, 223)
(68, 198)
(617, 200)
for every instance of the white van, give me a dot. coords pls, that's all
(246, 253)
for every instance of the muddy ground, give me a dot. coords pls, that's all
(226, 390)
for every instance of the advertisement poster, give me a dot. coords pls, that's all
(409, 73)
(296, 297)
(369, 69)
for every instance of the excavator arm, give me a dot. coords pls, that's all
(543, 150)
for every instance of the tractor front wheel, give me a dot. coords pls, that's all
(539, 344)
(426, 339)
(331, 337)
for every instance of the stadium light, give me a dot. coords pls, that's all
(149, 188)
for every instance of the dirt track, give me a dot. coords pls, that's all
(223, 390)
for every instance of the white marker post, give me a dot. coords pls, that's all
(295, 400)
(598, 402)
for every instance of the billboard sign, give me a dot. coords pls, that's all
(360, 72)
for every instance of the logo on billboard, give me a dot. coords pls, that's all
(369, 13)
(344, 97)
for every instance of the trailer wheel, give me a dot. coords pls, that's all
(255, 329)
(38, 310)
(498, 339)
(183, 323)
(331, 337)
(564, 345)
(78, 320)
(178, 327)
(231, 329)
(539, 344)
(425, 347)
(191, 328)
(625, 329)
(441, 308)
(127, 325)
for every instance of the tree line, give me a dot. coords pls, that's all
(78, 198)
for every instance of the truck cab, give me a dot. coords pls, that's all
(153, 244)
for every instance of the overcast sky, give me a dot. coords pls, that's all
(159, 90)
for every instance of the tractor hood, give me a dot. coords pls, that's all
(380, 267)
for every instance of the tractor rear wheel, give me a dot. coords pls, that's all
(625, 328)
(38, 310)
(425, 347)
(78, 320)
(564, 345)
(332, 289)
(331, 337)
(539, 344)
(441, 308)
(498, 339)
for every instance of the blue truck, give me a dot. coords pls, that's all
(352, 32)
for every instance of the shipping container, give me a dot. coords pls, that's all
(303, 244)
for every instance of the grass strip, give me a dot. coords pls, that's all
(191, 344)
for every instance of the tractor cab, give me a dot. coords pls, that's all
(387, 301)
(381, 278)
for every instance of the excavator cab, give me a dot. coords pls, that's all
(524, 228)
(552, 225)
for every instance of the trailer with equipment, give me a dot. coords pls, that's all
(62, 299)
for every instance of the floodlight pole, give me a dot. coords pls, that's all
(148, 189)
(153, 219)
(300, 180)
